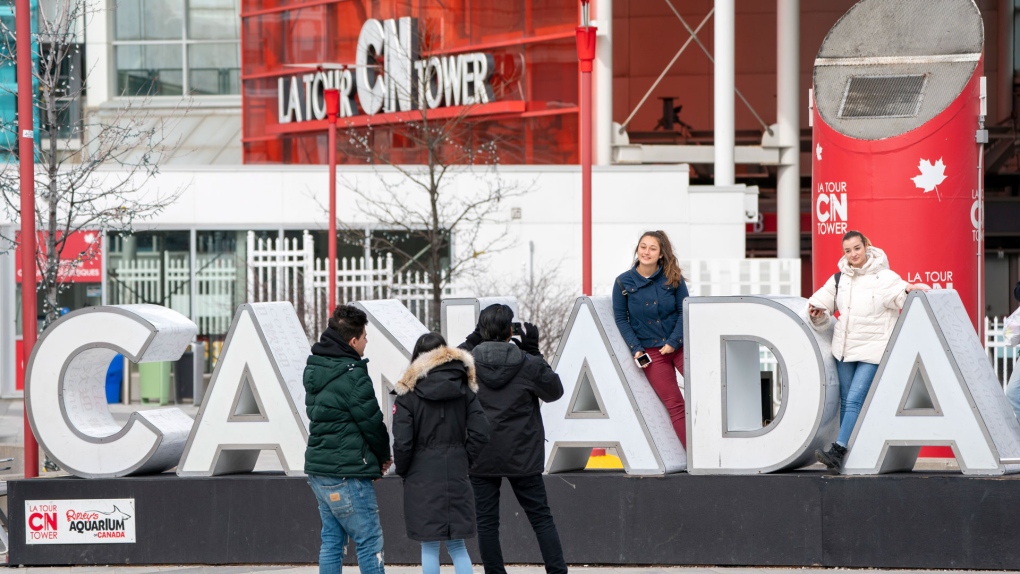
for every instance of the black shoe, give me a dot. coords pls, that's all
(832, 458)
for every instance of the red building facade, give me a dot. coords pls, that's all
(513, 63)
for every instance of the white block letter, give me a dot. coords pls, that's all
(934, 387)
(371, 83)
(65, 391)
(256, 398)
(724, 420)
(607, 401)
(458, 317)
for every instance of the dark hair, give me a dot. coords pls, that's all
(854, 233)
(670, 266)
(426, 343)
(348, 321)
(494, 323)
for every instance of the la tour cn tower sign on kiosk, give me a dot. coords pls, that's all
(388, 77)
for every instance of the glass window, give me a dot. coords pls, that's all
(68, 94)
(214, 68)
(176, 47)
(149, 19)
(149, 69)
(213, 20)
(150, 267)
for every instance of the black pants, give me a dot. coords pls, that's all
(530, 493)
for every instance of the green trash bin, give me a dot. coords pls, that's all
(154, 382)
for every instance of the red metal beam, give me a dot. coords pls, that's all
(511, 107)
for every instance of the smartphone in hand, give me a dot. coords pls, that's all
(643, 360)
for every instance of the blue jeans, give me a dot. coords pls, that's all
(854, 381)
(1013, 390)
(457, 550)
(348, 509)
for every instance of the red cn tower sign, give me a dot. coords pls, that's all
(894, 150)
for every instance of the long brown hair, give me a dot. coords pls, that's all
(854, 233)
(670, 266)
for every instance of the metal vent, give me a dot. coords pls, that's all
(882, 96)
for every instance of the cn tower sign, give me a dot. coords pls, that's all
(389, 77)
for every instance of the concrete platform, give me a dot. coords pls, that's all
(910, 520)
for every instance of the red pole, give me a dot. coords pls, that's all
(586, 180)
(332, 98)
(585, 55)
(26, 149)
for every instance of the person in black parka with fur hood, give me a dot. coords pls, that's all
(439, 429)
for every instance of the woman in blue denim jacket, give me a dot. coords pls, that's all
(648, 304)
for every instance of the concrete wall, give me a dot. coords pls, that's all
(704, 223)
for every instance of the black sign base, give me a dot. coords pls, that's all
(913, 520)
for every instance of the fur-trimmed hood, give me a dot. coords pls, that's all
(442, 359)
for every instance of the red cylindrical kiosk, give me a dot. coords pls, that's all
(895, 110)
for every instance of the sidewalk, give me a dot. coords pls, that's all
(449, 570)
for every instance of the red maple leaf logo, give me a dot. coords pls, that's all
(931, 176)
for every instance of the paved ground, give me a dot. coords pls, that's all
(449, 570)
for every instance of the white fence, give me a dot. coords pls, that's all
(1004, 359)
(717, 277)
(287, 270)
(167, 282)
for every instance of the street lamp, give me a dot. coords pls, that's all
(332, 98)
(585, 56)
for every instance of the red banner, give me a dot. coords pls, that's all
(81, 259)
(914, 195)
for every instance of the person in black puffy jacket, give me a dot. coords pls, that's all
(512, 379)
(438, 429)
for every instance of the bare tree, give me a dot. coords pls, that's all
(74, 190)
(543, 300)
(441, 188)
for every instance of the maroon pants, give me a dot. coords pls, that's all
(662, 376)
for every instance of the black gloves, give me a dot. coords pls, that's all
(472, 340)
(529, 340)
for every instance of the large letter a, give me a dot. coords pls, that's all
(256, 399)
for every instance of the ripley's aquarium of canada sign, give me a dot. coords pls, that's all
(934, 387)
(408, 84)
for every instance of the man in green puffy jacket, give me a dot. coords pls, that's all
(348, 446)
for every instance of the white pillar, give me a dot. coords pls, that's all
(788, 117)
(725, 18)
(603, 120)
(193, 270)
(99, 56)
(1004, 94)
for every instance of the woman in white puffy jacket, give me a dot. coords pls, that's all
(868, 296)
